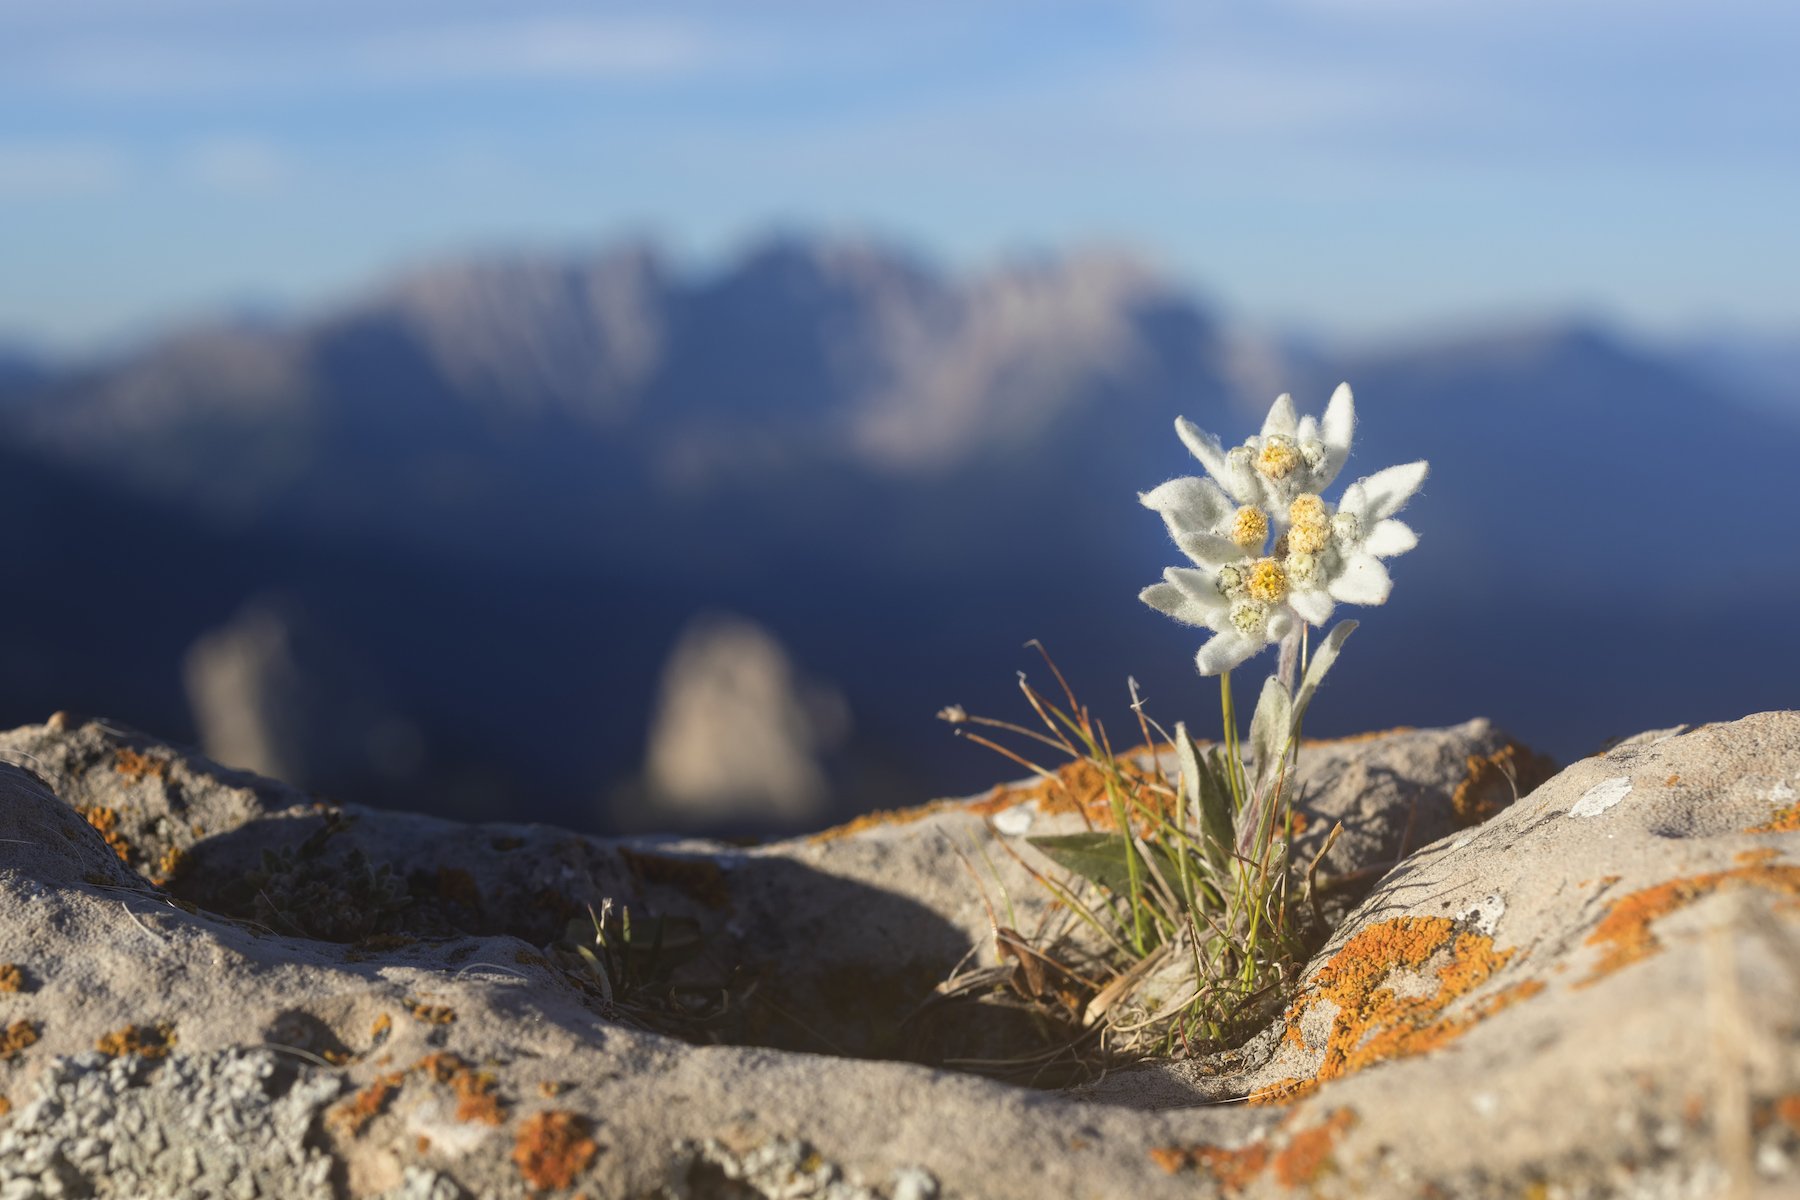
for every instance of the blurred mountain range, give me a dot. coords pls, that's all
(457, 525)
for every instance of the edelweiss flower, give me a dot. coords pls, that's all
(1321, 554)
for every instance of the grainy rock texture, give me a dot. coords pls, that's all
(219, 987)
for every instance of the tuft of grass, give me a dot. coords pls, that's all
(1182, 914)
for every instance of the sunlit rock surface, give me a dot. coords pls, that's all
(213, 984)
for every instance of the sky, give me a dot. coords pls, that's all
(1358, 168)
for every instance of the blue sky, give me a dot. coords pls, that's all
(1361, 167)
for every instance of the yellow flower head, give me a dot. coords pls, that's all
(1279, 457)
(1250, 528)
(1267, 581)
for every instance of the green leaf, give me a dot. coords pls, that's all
(1321, 661)
(1270, 730)
(1204, 794)
(1099, 858)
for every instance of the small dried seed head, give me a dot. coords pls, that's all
(1281, 546)
(1313, 451)
(1239, 457)
(1267, 581)
(1230, 581)
(1302, 569)
(1250, 528)
(1279, 457)
(1346, 528)
(1249, 617)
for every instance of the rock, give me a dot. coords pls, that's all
(737, 735)
(1585, 998)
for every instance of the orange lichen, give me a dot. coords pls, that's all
(1282, 1091)
(379, 1029)
(1492, 779)
(106, 821)
(458, 887)
(1782, 820)
(1080, 786)
(12, 977)
(552, 1087)
(431, 1014)
(1372, 1022)
(552, 1148)
(135, 766)
(1233, 1170)
(476, 1097)
(1308, 1152)
(1299, 1161)
(881, 817)
(1625, 931)
(15, 1038)
(356, 1113)
(170, 865)
(1788, 1109)
(700, 878)
(145, 1041)
(5, 1106)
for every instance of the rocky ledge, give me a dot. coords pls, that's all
(211, 985)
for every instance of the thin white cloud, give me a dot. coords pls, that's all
(237, 165)
(537, 48)
(49, 170)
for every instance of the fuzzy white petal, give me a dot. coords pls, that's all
(1281, 417)
(1389, 538)
(1189, 503)
(1335, 431)
(1313, 606)
(1225, 651)
(1206, 549)
(1172, 601)
(1205, 447)
(1281, 623)
(1355, 501)
(1389, 490)
(1308, 429)
(1200, 587)
(1363, 580)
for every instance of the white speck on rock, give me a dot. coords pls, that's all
(1015, 821)
(1781, 793)
(1602, 796)
(1484, 916)
(1485, 1103)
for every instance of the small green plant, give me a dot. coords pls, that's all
(1195, 894)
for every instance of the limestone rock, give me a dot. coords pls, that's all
(1593, 994)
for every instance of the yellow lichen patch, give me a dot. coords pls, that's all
(1782, 820)
(881, 817)
(476, 1096)
(1249, 528)
(1625, 932)
(1308, 1152)
(106, 821)
(380, 1028)
(15, 1038)
(431, 1014)
(145, 1041)
(135, 766)
(5, 1106)
(700, 878)
(553, 1147)
(1372, 1022)
(1492, 780)
(354, 1115)
(1267, 581)
(12, 977)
